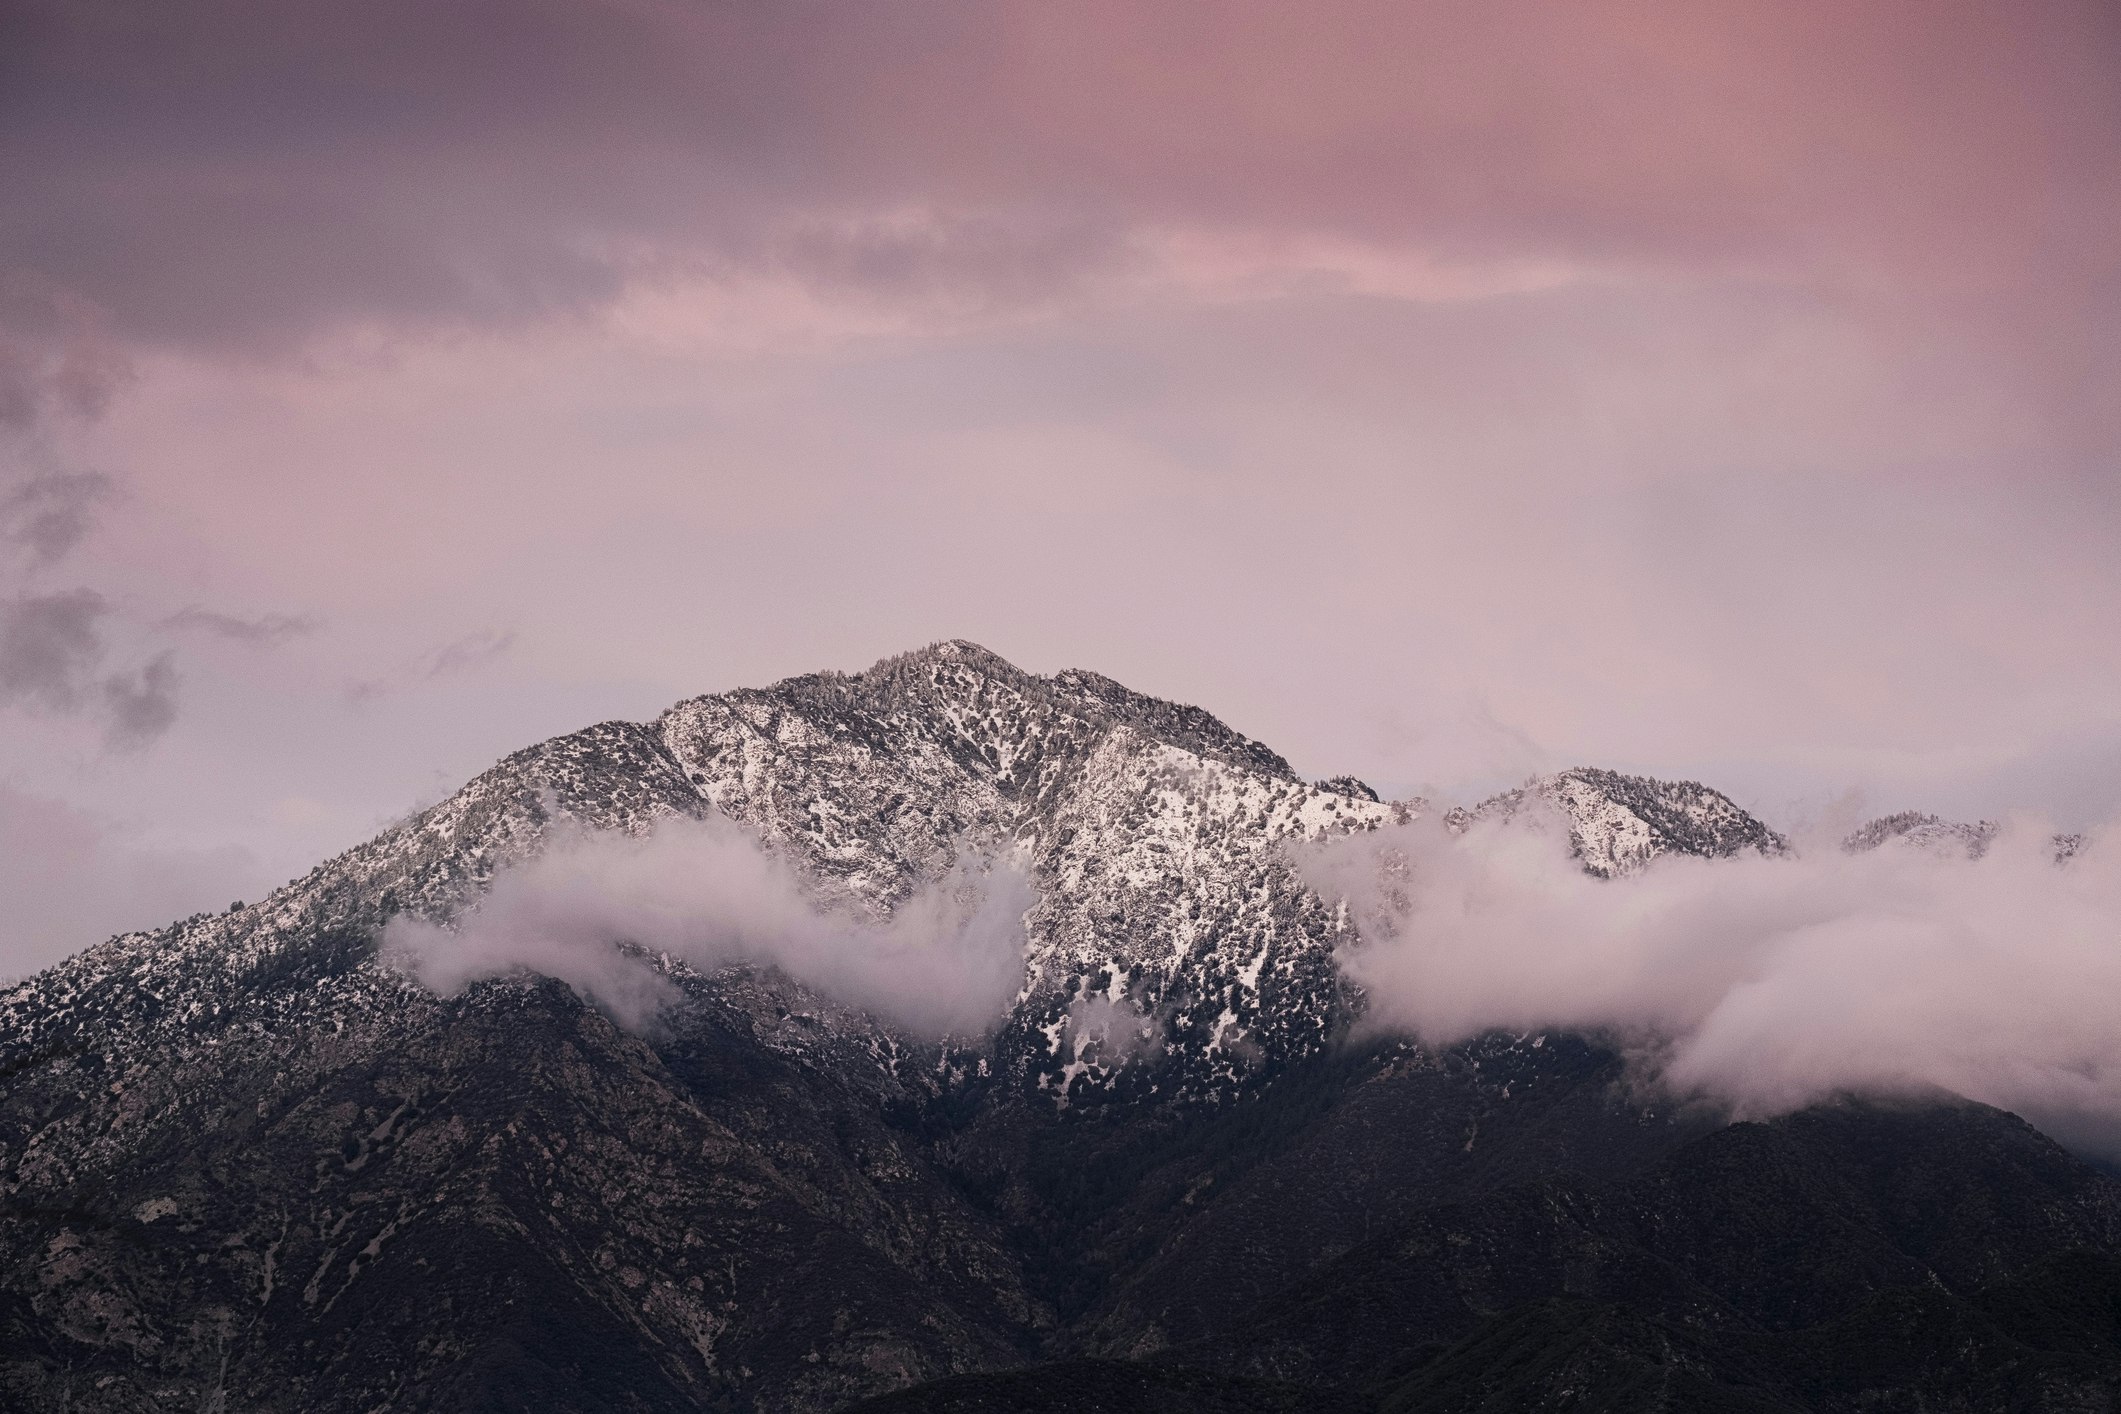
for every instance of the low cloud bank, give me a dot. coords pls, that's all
(949, 960)
(1765, 984)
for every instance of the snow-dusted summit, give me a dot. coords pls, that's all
(1912, 828)
(1619, 823)
(1173, 950)
(1947, 839)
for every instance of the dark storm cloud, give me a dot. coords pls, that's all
(241, 174)
(52, 648)
(47, 514)
(244, 174)
(141, 705)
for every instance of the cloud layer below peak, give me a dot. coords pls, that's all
(593, 910)
(1762, 983)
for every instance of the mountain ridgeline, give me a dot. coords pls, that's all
(245, 1164)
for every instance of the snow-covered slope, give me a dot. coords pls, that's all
(1619, 823)
(1173, 949)
(1951, 838)
(1948, 839)
(243, 1132)
(1169, 926)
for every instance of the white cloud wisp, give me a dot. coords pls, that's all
(1762, 983)
(948, 960)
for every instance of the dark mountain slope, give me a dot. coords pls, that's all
(446, 1201)
(1838, 1258)
(1942, 1257)
(1406, 1130)
(1111, 1387)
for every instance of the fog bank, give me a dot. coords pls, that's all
(1765, 984)
(948, 960)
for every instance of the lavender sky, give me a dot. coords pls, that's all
(1438, 392)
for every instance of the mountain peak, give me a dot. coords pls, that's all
(1948, 839)
(1618, 822)
(959, 651)
(984, 705)
(1951, 838)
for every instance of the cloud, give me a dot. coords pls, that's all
(51, 649)
(1712, 389)
(1763, 984)
(48, 514)
(257, 174)
(54, 355)
(262, 629)
(949, 959)
(459, 656)
(50, 645)
(141, 705)
(471, 651)
(1106, 1031)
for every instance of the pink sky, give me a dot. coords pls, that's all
(1439, 392)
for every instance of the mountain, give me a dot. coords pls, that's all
(1947, 839)
(1617, 824)
(1913, 829)
(244, 1164)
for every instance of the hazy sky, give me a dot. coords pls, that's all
(1440, 392)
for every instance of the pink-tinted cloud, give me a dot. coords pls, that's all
(245, 171)
(1437, 390)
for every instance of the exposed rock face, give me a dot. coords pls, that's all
(244, 1165)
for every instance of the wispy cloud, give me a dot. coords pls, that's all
(56, 352)
(50, 646)
(468, 654)
(262, 629)
(473, 650)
